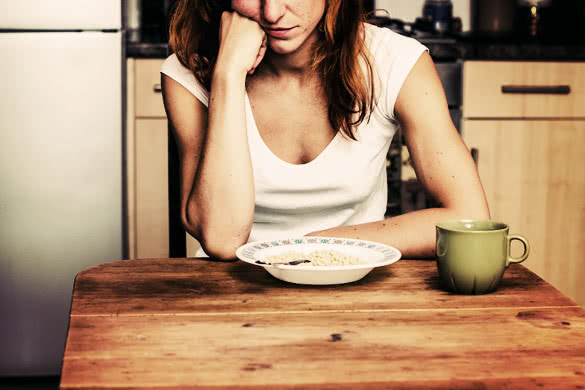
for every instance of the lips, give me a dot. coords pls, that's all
(278, 33)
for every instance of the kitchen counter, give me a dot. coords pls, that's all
(146, 43)
(152, 43)
(146, 50)
(510, 50)
(467, 47)
(152, 47)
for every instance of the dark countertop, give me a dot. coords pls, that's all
(528, 52)
(146, 50)
(152, 44)
(473, 49)
(146, 43)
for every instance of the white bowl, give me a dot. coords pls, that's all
(374, 253)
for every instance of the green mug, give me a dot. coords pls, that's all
(472, 255)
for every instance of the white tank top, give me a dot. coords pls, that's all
(346, 183)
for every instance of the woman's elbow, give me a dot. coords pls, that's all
(477, 209)
(484, 213)
(222, 246)
(221, 241)
(218, 240)
(479, 213)
(190, 225)
(212, 243)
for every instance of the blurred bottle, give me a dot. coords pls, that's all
(132, 19)
(439, 13)
(533, 20)
(493, 18)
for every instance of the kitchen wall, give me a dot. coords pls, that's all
(409, 10)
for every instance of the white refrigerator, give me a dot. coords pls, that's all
(61, 190)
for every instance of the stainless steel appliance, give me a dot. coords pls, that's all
(60, 167)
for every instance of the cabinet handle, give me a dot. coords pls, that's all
(156, 88)
(537, 89)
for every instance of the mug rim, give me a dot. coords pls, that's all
(500, 226)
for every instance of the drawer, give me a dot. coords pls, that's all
(149, 102)
(496, 89)
(151, 200)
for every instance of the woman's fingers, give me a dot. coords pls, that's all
(242, 42)
(260, 56)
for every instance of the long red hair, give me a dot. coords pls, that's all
(340, 56)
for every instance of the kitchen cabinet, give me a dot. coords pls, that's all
(531, 159)
(147, 163)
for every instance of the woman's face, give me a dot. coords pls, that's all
(287, 23)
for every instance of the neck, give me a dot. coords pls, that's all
(286, 65)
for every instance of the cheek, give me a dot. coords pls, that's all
(319, 8)
(311, 11)
(248, 8)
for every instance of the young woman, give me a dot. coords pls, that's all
(283, 112)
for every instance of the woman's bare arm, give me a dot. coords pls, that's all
(443, 165)
(217, 187)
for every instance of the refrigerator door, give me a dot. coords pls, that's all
(60, 184)
(61, 14)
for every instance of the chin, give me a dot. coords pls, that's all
(288, 46)
(283, 47)
(281, 50)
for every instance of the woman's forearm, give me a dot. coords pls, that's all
(412, 233)
(222, 199)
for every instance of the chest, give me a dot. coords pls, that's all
(293, 122)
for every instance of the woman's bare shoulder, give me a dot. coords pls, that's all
(174, 69)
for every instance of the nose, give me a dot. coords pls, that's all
(272, 10)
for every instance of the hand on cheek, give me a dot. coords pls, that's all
(242, 43)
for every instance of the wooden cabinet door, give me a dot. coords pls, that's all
(151, 195)
(149, 102)
(533, 173)
(501, 89)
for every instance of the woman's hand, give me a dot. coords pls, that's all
(242, 44)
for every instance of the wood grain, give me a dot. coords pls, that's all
(483, 97)
(533, 173)
(192, 286)
(338, 349)
(200, 324)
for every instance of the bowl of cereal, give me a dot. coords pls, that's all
(318, 260)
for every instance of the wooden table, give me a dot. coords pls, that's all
(197, 324)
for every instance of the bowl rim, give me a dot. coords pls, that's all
(397, 255)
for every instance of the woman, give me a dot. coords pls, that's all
(283, 120)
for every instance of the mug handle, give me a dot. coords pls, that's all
(524, 242)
